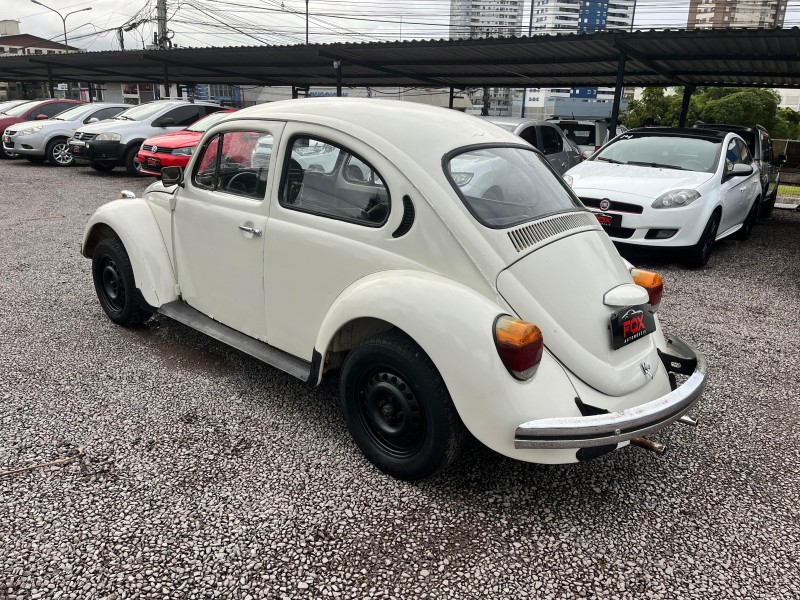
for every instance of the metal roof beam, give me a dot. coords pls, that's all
(233, 74)
(638, 57)
(378, 67)
(136, 76)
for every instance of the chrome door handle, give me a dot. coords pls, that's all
(253, 230)
(743, 188)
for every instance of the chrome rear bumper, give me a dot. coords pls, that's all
(613, 428)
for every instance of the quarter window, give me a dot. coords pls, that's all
(328, 180)
(236, 162)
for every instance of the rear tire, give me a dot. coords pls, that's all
(131, 162)
(58, 153)
(398, 409)
(699, 254)
(115, 284)
(750, 221)
(102, 168)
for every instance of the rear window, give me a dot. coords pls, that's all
(583, 135)
(503, 187)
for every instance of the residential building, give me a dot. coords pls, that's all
(705, 14)
(485, 18)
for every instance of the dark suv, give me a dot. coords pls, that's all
(760, 145)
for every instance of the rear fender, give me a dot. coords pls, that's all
(132, 221)
(453, 325)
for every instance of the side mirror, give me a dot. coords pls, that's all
(739, 170)
(93, 120)
(781, 159)
(172, 175)
(40, 116)
(166, 122)
(587, 154)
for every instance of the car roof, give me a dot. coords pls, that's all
(690, 132)
(512, 120)
(411, 128)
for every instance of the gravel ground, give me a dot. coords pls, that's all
(208, 474)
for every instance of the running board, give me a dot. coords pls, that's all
(183, 313)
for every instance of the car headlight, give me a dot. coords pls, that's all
(108, 137)
(462, 178)
(676, 199)
(31, 130)
(185, 151)
(568, 180)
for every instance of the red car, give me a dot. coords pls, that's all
(32, 111)
(174, 149)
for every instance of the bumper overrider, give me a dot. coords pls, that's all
(613, 428)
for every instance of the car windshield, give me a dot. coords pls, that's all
(76, 112)
(580, 133)
(6, 106)
(663, 151)
(20, 110)
(503, 187)
(208, 122)
(142, 112)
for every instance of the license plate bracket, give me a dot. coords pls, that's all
(608, 220)
(631, 324)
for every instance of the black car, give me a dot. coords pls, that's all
(760, 145)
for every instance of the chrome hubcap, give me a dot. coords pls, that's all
(61, 154)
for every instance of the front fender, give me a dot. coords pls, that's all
(132, 221)
(453, 325)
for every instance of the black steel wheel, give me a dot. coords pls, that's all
(132, 164)
(58, 153)
(115, 284)
(699, 254)
(398, 409)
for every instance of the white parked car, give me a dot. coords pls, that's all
(561, 153)
(441, 310)
(676, 188)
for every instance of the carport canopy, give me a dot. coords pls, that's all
(690, 58)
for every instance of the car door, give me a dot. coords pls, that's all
(219, 221)
(737, 190)
(768, 164)
(552, 147)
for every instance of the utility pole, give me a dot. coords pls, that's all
(306, 22)
(161, 16)
(121, 38)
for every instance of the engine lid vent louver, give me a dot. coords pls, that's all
(530, 235)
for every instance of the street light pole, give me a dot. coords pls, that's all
(63, 20)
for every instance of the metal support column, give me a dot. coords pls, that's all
(337, 64)
(485, 108)
(50, 84)
(450, 104)
(294, 92)
(91, 95)
(612, 127)
(687, 97)
(166, 81)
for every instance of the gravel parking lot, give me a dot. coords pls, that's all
(209, 474)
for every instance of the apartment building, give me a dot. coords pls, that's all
(705, 14)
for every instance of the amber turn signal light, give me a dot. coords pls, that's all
(520, 345)
(652, 282)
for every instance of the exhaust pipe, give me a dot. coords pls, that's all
(687, 420)
(652, 446)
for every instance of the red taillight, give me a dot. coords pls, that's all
(520, 345)
(652, 282)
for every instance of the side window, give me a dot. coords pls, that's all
(51, 110)
(328, 180)
(238, 165)
(208, 110)
(183, 115)
(766, 148)
(104, 113)
(529, 135)
(744, 153)
(732, 155)
(551, 141)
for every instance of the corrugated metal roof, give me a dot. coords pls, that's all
(731, 57)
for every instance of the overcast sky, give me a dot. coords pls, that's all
(247, 22)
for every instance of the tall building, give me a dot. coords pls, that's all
(485, 18)
(582, 16)
(705, 14)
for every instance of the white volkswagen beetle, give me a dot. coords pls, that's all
(672, 187)
(443, 309)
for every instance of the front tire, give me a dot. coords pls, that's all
(132, 164)
(115, 284)
(699, 254)
(398, 409)
(58, 154)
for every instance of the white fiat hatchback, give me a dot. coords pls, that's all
(432, 261)
(676, 188)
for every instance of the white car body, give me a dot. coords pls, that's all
(302, 291)
(630, 191)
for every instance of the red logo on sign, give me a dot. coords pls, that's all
(604, 220)
(633, 324)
